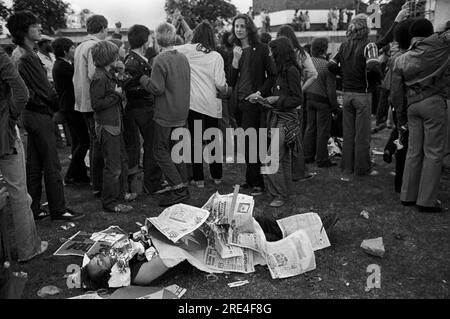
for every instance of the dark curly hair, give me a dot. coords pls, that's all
(18, 25)
(284, 56)
(252, 31)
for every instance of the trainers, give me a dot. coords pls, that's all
(41, 214)
(175, 196)
(43, 248)
(257, 191)
(308, 177)
(276, 203)
(217, 181)
(69, 215)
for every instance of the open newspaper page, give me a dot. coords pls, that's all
(179, 220)
(311, 224)
(193, 250)
(290, 256)
(110, 235)
(242, 264)
(255, 241)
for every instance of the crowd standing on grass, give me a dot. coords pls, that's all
(121, 102)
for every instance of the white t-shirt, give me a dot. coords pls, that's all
(207, 73)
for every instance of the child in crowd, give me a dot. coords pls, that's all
(106, 101)
(170, 83)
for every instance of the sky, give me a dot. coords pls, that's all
(146, 12)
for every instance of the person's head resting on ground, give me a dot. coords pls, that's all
(287, 32)
(165, 35)
(421, 28)
(284, 55)
(97, 25)
(138, 37)
(63, 48)
(121, 46)
(24, 28)
(96, 274)
(265, 37)
(319, 47)
(402, 35)
(358, 28)
(104, 53)
(204, 37)
(244, 29)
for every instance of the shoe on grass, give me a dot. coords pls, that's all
(129, 197)
(43, 248)
(257, 191)
(174, 197)
(278, 202)
(198, 184)
(436, 209)
(41, 214)
(68, 215)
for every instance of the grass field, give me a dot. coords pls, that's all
(416, 263)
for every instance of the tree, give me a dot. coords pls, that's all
(195, 11)
(51, 13)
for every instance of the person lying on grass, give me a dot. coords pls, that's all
(136, 262)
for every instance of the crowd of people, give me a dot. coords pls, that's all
(117, 103)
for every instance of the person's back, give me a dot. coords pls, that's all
(83, 76)
(204, 67)
(172, 102)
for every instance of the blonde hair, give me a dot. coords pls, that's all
(104, 53)
(165, 34)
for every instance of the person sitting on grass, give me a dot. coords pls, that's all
(106, 101)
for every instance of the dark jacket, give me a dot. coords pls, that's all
(421, 72)
(323, 89)
(137, 96)
(62, 76)
(13, 98)
(43, 98)
(359, 72)
(262, 68)
(106, 102)
(289, 90)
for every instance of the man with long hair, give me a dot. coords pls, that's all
(252, 76)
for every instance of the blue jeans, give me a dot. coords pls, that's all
(115, 171)
(176, 174)
(13, 170)
(135, 121)
(42, 160)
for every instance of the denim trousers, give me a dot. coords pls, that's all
(139, 122)
(175, 174)
(42, 160)
(80, 145)
(95, 154)
(357, 127)
(115, 170)
(13, 170)
(317, 132)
